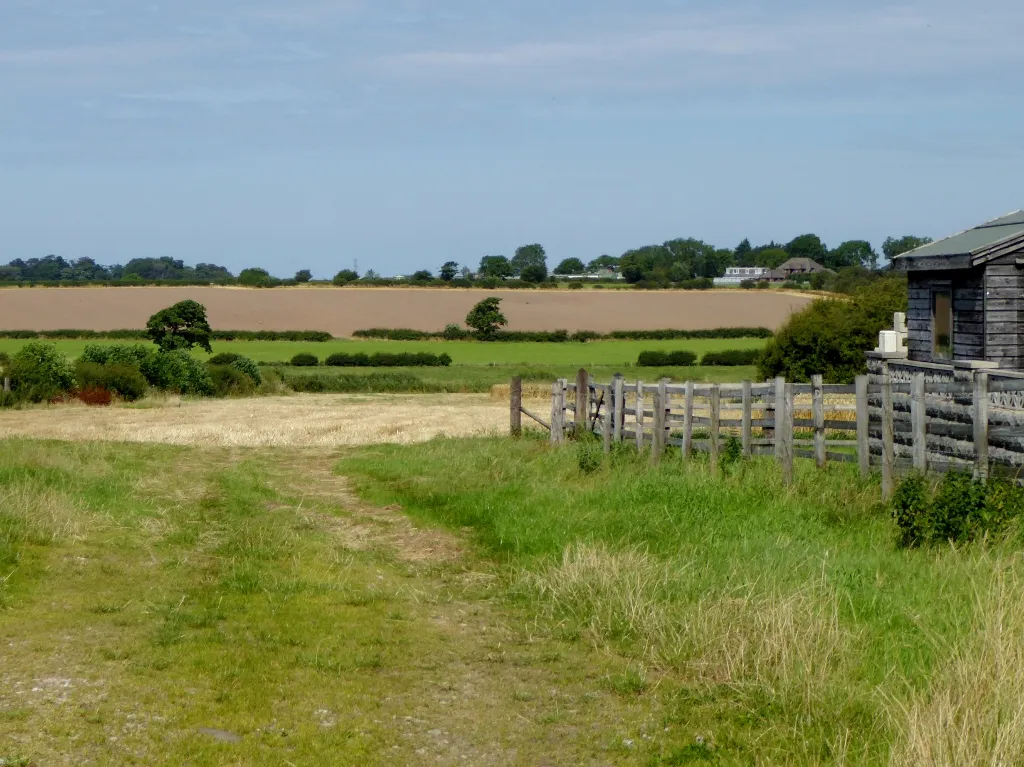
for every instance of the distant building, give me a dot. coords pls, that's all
(795, 266)
(600, 274)
(735, 275)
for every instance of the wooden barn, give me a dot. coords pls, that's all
(967, 296)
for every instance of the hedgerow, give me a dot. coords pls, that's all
(558, 336)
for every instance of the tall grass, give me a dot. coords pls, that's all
(785, 620)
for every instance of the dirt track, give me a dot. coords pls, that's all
(341, 311)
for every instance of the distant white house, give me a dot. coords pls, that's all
(734, 275)
(600, 274)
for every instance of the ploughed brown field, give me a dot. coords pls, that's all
(343, 310)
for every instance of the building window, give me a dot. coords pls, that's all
(942, 324)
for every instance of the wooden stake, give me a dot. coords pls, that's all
(619, 408)
(779, 413)
(863, 424)
(888, 439)
(748, 417)
(688, 422)
(981, 467)
(658, 439)
(784, 431)
(556, 413)
(715, 404)
(639, 416)
(582, 416)
(918, 423)
(609, 414)
(515, 407)
(818, 413)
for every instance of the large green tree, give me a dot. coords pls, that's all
(807, 246)
(529, 255)
(852, 253)
(603, 262)
(496, 266)
(570, 266)
(182, 326)
(254, 277)
(486, 317)
(894, 246)
(449, 271)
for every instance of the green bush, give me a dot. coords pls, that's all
(388, 360)
(224, 358)
(374, 383)
(180, 372)
(575, 285)
(249, 368)
(831, 336)
(658, 359)
(455, 332)
(126, 381)
(132, 355)
(557, 336)
(960, 510)
(731, 357)
(5, 362)
(229, 381)
(305, 360)
(39, 372)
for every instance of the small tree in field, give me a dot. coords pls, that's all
(486, 317)
(181, 326)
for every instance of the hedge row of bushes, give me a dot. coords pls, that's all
(682, 358)
(40, 373)
(314, 336)
(374, 383)
(379, 360)
(456, 333)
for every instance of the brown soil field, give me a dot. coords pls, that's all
(343, 310)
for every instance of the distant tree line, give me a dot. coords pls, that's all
(681, 262)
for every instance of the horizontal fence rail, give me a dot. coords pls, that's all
(878, 422)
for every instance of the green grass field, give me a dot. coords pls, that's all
(594, 354)
(172, 605)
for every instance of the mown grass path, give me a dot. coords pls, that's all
(165, 605)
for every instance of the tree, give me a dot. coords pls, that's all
(893, 247)
(423, 275)
(771, 258)
(534, 273)
(603, 262)
(39, 372)
(448, 271)
(852, 253)
(570, 266)
(345, 276)
(486, 317)
(181, 326)
(498, 267)
(529, 255)
(254, 276)
(303, 275)
(807, 246)
(743, 255)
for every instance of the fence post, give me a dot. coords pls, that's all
(658, 439)
(688, 422)
(918, 423)
(863, 425)
(515, 408)
(715, 400)
(619, 398)
(748, 417)
(981, 425)
(888, 439)
(779, 413)
(7, 385)
(639, 416)
(784, 430)
(818, 414)
(609, 414)
(556, 412)
(581, 418)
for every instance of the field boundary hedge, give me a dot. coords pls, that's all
(72, 334)
(561, 336)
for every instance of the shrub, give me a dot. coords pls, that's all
(658, 359)
(345, 360)
(731, 357)
(576, 285)
(224, 358)
(5, 362)
(39, 372)
(960, 510)
(394, 334)
(454, 332)
(361, 384)
(831, 336)
(700, 283)
(95, 397)
(132, 355)
(126, 381)
(238, 362)
(389, 360)
(305, 360)
(229, 381)
(582, 336)
(180, 372)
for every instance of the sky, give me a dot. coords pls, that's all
(294, 134)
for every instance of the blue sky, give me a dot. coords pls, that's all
(308, 133)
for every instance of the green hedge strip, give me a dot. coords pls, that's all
(557, 336)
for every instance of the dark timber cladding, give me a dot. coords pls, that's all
(967, 296)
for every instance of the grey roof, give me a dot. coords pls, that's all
(974, 240)
(801, 264)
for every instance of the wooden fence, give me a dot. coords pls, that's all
(923, 424)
